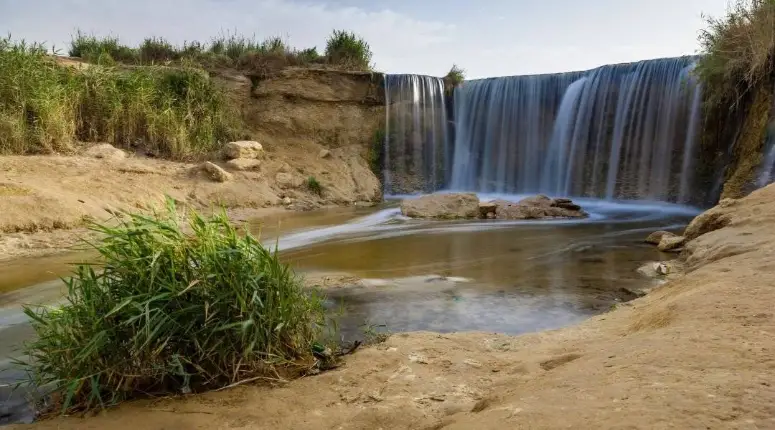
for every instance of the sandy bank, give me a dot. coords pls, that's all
(695, 353)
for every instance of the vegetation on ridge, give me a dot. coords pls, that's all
(46, 107)
(739, 51)
(168, 312)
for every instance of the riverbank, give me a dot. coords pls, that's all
(46, 200)
(694, 353)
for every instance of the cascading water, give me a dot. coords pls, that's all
(625, 131)
(618, 131)
(416, 149)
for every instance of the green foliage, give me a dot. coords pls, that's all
(91, 49)
(455, 76)
(347, 49)
(314, 186)
(45, 107)
(156, 50)
(376, 151)
(171, 309)
(739, 50)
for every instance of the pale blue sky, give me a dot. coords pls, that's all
(485, 37)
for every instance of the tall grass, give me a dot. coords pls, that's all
(168, 311)
(44, 107)
(739, 50)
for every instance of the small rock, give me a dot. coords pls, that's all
(437, 397)
(287, 201)
(671, 243)
(243, 163)
(725, 203)
(105, 151)
(324, 153)
(485, 208)
(656, 237)
(473, 363)
(242, 149)
(654, 269)
(442, 206)
(215, 172)
(491, 215)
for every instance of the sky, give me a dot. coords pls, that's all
(484, 37)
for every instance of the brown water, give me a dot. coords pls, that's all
(510, 277)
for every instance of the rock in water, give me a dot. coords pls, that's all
(442, 206)
(242, 149)
(538, 207)
(487, 208)
(656, 237)
(215, 172)
(105, 151)
(671, 243)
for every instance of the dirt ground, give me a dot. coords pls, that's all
(696, 353)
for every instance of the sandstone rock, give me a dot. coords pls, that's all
(242, 149)
(324, 153)
(538, 207)
(442, 206)
(486, 208)
(287, 201)
(671, 243)
(710, 220)
(105, 151)
(215, 172)
(491, 215)
(243, 163)
(288, 180)
(656, 237)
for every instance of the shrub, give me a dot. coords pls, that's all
(167, 311)
(347, 49)
(314, 186)
(739, 50)
(455, 76)
(91, 49)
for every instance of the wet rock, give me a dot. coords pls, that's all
(243, 163)
(242, 149)
(324, 153)
(538, 207)
(671, 243)
(656, 237)
(486, 208)
(215, 172)
(654, 269)
(105, 151)
(442, 206)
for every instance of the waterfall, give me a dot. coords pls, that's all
(767, 167)
(623, 131)
(416, 149)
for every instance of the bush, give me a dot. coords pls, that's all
(346, 49)
(739, 50)
(314, 186)
(44, 107)
(157, 50)
(455, 76)
(91, 49)
(168, 311)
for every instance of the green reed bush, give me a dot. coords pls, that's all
(314, 186)
(167, 311)
(156, 50)
(456, 75)
(90, 48)
(739, 50)
(349, 50)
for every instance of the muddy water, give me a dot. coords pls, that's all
(510, 277)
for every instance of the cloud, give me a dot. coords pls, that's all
(397, 40)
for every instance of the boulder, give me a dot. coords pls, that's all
(243, 163)
(656, 237)
(442, 206)
(242, 149)
(671, 243)
(538, 207)
(708, 221)
(324, 153)
(105, 151)
(215, 172)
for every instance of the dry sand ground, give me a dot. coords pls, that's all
(696, 353)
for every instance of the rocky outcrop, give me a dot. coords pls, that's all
(242, 149)
(671, 243)
(538, 207)
(710, 220)
(215, 172)
(105, 151)
(442, 206)
(467, 205)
